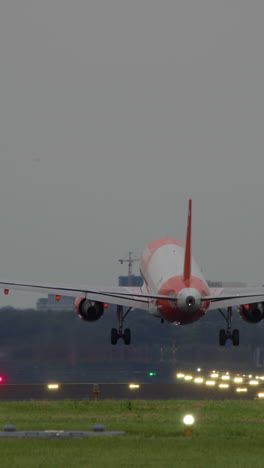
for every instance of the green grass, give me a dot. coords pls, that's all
(227, 434)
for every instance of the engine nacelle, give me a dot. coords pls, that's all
(90, 311)
(252, 313)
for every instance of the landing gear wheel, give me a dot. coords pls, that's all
(235, 337)
(222, 337)
(227, 334)
(119, 333)
(127, 336)
(114, 336)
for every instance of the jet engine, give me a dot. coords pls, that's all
(90, 311)
(252, 313)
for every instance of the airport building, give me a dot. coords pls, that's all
(133, 280)
(65, 303)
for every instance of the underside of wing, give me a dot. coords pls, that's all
(128, 297)
(125, 296)
(227, 297)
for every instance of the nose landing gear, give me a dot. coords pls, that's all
(227, 334)
(120, 333)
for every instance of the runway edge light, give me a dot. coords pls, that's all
(188, 421)
(133, 385)
(53, 386)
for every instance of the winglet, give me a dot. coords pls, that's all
(188, 253)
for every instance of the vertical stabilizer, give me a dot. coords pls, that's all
(188, 253)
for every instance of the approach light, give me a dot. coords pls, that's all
(198, 380)
(223, 385)
(241, 390)
(180, 375)
(133, 386)
(188, 421)
(199, 369)
(53, 386)
(214, 375)
(225, 377)
(188, 377)
(261, 395)
(238, 379)
(210, 383)
(253, 382)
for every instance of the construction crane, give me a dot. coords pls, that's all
(130, 260)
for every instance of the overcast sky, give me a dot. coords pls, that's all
(112, 114)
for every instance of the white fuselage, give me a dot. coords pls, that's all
(162, 264)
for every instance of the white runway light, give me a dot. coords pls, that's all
(198, 380)
(238, 380)
(210, 383)
(253, 382)
(53, 386)
(223, 385)
(188, 420)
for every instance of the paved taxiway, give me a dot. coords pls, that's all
(120, 391)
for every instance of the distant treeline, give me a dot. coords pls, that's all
(35, 340)
(49, 328)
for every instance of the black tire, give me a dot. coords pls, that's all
(222, 337)
(127, 336)
(114, 336)
(235, 337)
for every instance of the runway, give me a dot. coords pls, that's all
(121, 391)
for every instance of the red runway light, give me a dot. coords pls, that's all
(58, 297)
(6, 291)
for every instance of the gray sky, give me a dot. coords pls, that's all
(112, 114)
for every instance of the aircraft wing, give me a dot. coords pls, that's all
(134, 296)
(125, 296)
(225, 297)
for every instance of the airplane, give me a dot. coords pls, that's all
(174, 290)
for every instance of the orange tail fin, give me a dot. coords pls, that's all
(188, 253)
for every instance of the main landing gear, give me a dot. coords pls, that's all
(120, 333)
(227, 334)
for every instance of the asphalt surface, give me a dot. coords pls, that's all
(121, 391)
